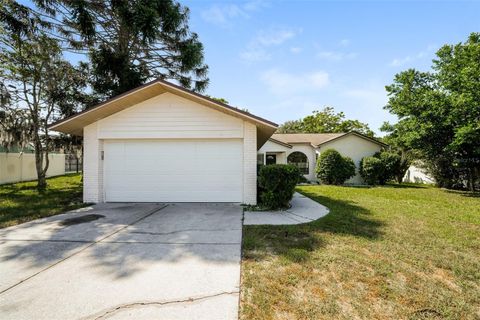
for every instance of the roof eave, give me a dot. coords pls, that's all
(156, 87)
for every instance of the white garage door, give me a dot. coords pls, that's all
(173, 171)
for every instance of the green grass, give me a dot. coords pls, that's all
(394, 252)
(21, 202)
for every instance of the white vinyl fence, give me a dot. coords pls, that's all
(16, 167)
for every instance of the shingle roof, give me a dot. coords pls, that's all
(312, 138)
(316, 139)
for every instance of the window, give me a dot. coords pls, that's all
(271, 159)
(299, 160)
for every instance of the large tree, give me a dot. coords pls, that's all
(37, 84)
(129, 41)
(324, 121)
(439, 113)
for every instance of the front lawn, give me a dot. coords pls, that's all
(21, 202)
(394, 252)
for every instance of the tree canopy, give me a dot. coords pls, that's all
(37, 85)
(324, 121)
(130, 42)
(439, 113)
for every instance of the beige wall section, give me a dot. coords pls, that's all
(270, 146)
(92, 165)
(354, 147)
(169, 116)
(250, 164)
(16, 167)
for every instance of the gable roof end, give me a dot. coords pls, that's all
(75, 123)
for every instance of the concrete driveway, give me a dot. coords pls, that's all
(124, 261)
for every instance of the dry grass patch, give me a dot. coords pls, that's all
(382, 253)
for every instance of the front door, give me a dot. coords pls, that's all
(271, 159)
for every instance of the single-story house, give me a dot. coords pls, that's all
(162, 143)
(303, 149)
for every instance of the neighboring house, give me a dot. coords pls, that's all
(303, 149)
(163, 143)
(417, 174)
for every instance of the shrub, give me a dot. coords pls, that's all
(277, 184)
(371, 169)
(332, 168)
(391, 164)
(380, 168)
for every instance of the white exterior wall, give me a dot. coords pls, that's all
(273, 147)
(169, 116)
(92, 165)
(416, 174)
(250, 164)
(166, 116)
(354, 147)
(282, 153)
(17, 167)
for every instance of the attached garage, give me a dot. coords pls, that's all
(162, 143)
(173, 171)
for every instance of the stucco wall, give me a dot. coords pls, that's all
(16, 167)
(354, 147)
(166, 116)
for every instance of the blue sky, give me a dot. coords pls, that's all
(283, 59)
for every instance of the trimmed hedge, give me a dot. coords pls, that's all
(332, 168)
(276, 184)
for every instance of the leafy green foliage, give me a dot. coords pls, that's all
(36, 84)
(130, 42)
(381, 167)
(333, 168)
(277, 184)
(372, 170)
(439, 115)
(325, 121)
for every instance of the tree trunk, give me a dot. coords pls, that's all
(399, 178)
(41, 176)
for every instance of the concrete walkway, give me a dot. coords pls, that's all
(127, 261)
(303, 210)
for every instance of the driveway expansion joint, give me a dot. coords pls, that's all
(135, 305)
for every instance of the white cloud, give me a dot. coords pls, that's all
(335, 55)
(274, 37)
(285, 83)
(296, 50)
(398, 62)
(255, 54)
(223, 14)
(257, 48)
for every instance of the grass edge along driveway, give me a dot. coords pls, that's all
(22, 202)
(393, 252)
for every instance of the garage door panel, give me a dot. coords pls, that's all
(174, 171)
